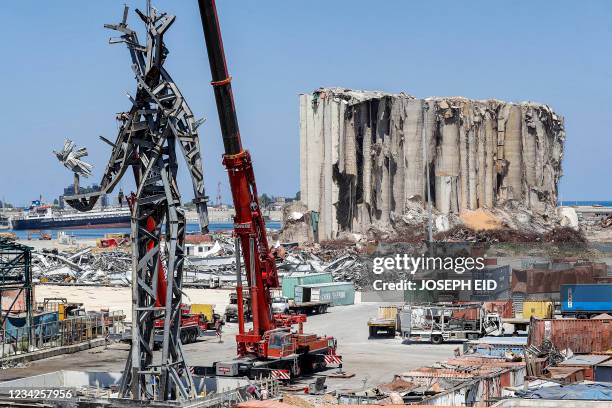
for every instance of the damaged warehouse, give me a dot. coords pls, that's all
(366, 156)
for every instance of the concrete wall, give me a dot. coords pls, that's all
(362, 156)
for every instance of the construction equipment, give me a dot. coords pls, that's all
(271, 343)
(64, 308)
(231, 310)
(195, 321)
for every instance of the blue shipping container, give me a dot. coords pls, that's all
(576, 298)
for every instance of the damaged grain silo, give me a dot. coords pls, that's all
(365, 158)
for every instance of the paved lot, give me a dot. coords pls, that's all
(372, 360)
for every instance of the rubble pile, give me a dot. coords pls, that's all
(562, 235)
(84, 266)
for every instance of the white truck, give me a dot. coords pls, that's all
(442, 322)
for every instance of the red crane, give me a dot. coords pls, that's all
(271, 340)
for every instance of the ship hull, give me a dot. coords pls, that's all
(119, 221)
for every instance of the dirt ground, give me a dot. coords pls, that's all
(120, 298)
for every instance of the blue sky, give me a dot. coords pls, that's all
(61, 79)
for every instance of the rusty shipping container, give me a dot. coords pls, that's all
(502, 307)
(580, 335)
(539, 280)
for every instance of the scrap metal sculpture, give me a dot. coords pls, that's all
(148, 133)
(71, 159)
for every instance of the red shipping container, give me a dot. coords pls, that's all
(579, 335)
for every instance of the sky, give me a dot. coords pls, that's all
(61, 78)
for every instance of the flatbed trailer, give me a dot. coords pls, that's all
(377, 325)
(439, 323)
(284, 305)
(385, 322)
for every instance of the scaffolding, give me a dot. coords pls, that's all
(16, 295)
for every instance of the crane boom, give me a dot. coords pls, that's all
(249, 225)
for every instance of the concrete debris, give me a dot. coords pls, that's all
(365, 157)
(569, 217)
(85, 266)
(344, 261)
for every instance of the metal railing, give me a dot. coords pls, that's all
(58, 333)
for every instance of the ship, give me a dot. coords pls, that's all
(5, 222)
(43, 217)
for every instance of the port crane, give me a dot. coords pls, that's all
(271, 342)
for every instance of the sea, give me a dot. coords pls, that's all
(94, 233)
(601, 203)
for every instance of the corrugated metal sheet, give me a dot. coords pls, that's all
(586, 361)
(517, 303)
(580, 335)
(497, 346)
(501, 307)
(537, 280)
(566, 374)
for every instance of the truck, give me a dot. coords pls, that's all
(440, 322)
(583, 301)
(61, 305)
(231, 310)
(386, 322)
(196, 320)
(284, 305)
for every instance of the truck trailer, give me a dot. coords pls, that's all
(440, 322)
(584, 301)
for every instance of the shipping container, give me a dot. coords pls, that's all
(603, 372)
(502, 307)
(289, 282)
(339, 293)
(582, 336)
(540, 309)
(586, 300)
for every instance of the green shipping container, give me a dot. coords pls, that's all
(289, 282)
(339, 293)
